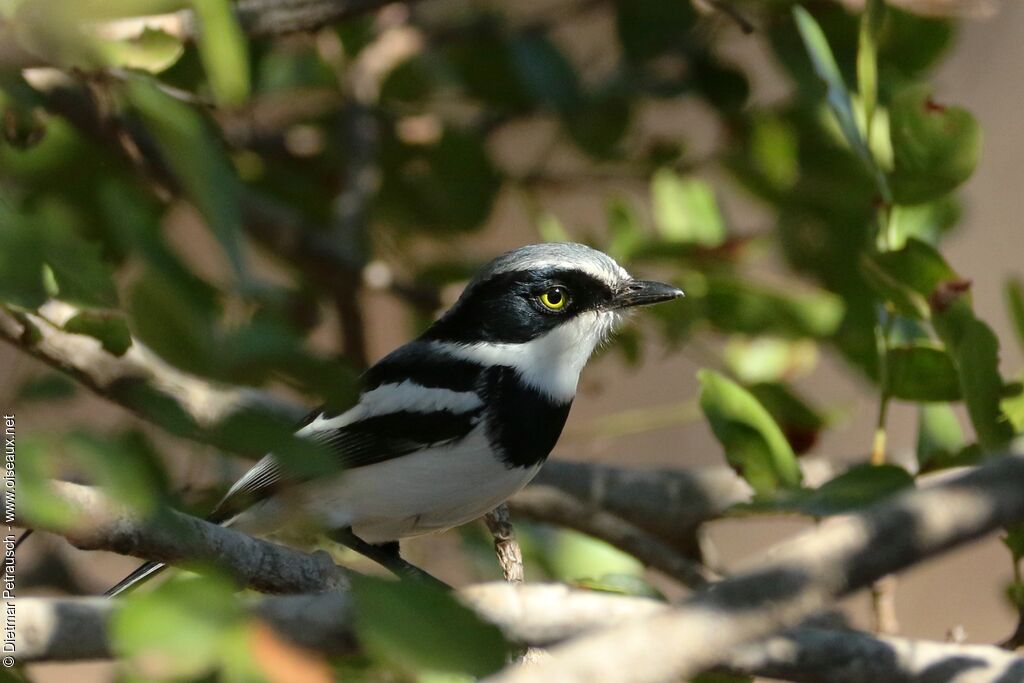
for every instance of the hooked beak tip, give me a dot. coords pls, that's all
(646, 293)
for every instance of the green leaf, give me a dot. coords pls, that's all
(908, 277)
(37, 467)
(685, 209)
(51, 386)
(545, 72)
(81, 274)
(423, 628)
(753, 443)
(858, 487)
(1014, 541)
(198, 162)
(935, 148)
(735, 305)
(838, 96)
(769, 359)
(21, 262)
(796, 418)
(625, 228)
(224, 51)
(183, 628)
(126, 465)
(975, 350)
(166, 318)
(1014, 290)
(650, 28)
(922, 373)
(867, 57)
(573, 556)
(939, 437)
(110, 329)
(153, 51)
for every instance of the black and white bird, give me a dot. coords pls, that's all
(455, 422)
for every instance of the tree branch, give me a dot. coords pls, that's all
(117, 377)
(180, 539)
(802, 577)
(544, 614)
(670, 504)
(548, 504)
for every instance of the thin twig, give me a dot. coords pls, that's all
(506, 547)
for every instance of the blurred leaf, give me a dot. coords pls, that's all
(1014, 290)
(549, 228)
(51, 386)
(21, 262)
(37, 466)
(922, 373)
(545, 72)
(198, 162)
(1013, 407)
(622, 584)
(127, 466)
(423, 628)
(769, 359)
(753, 443)
(975, 351)
(799, 422)
(484, 62)
(927, 222)
(724, 87)
(110, 329)
(182, 628)
(856, 488)
(867, 56)
(838, 96)
(574, 556)
(908, 277)
(649, 28)
(448, 187)
(224, 51)
(685, 209)
(172, 323)
(598, 125)
(939, 437)
(81, 274)
(1014, 541)
(152, 51)
(625, 228)
(935, 147)
(734, 305)
(773, 151)
(911, 44)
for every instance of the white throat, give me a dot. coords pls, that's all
(551, 363)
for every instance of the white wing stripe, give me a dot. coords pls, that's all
(393, 398)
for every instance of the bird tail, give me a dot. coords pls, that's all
(137, 577)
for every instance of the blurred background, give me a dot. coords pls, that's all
(417, 141)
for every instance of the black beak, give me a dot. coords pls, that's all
(644, 293)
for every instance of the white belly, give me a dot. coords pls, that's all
(416, 494)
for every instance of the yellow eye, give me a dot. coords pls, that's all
(554, 299)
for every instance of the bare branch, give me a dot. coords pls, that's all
(544, 614)
(179, 539)
(667, 503)
(802, 577)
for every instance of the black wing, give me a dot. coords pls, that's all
(374, 438)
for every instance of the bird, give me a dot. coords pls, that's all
(456, 421)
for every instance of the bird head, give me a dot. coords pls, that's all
(544, 309)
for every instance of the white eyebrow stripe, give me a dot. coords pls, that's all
(398, 397)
